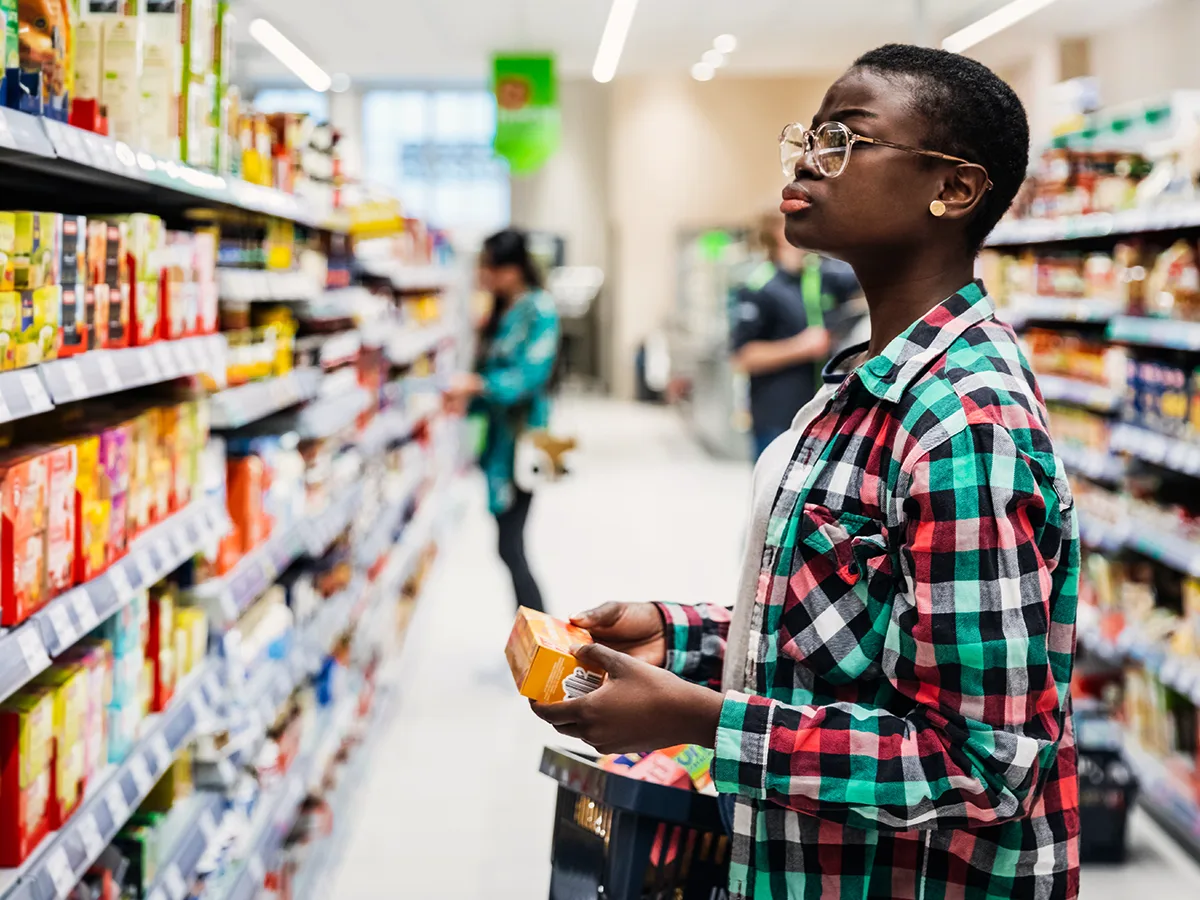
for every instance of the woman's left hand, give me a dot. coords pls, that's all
(464, 386)
(639, 707)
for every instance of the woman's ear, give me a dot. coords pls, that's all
(963, 190)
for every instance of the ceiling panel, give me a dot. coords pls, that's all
(403, 40)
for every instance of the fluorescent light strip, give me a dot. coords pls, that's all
(993, 24)
(612, 43)
(290, 55)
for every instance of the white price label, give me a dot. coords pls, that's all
(161, 752)
(147, 569)
(162, 547)
(183, 355)
(73, 374)
(32, 648)
(59, 869)
(150, 365)
(173, 883)
(85, 609)
(166, 360)
(208, 826)
(140, 771)
(255, 867)
(35, 391)
(89, 833)
(158, 894)
(114, 799)
(63, 626)
(108, 370)
(120, 580)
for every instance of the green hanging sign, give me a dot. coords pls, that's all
(528, 125)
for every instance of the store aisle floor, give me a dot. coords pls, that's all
(454, 808)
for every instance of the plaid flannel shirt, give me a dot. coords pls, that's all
(905, 731)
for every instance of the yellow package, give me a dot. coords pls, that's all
(8, 250)
(37, 340)
(10, 329)
(539, 654)
(27, 718)
(192, 623)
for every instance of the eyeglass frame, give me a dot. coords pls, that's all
(855, 138)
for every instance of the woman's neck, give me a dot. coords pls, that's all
(899, 296)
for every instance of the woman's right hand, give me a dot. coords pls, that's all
(632, 628)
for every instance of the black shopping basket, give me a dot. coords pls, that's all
(617, 838)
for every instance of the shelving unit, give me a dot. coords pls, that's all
(239, 406)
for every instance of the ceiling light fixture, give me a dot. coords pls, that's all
(992, 24)
(714, 58)
(339, 83)
(703, 72)
(612, 42)
(290, 55)
(725, 43)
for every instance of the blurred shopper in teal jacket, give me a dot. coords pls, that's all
(511, 387)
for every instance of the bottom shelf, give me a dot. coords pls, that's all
(1171, 804)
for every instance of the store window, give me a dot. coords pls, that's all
(433, 149)
(293, 101)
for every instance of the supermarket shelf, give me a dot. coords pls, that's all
(26, 650)
(404, 346)
(1098, 397)
(1168, 548)
(100, 372)
(113, 170)
(177, 869)
(1020, 232)
(1025, 308)
(399, 497)
(239, 406)
(1100, 535)
(1176, 454)
(387, 429)
(1167, 333)
(328, 416)
(1180, 673)
(1093, 464)
(265, 286)
(1169, 802)
(320, 532)
(64, 856)
(231, 595)
(408, 278)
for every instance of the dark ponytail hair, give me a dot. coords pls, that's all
(509, 247)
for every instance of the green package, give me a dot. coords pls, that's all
(12, 40)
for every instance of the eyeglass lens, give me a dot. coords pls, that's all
(830, 144)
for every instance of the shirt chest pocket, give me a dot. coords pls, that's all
(839, 595)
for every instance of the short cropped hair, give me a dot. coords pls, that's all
(972, 113)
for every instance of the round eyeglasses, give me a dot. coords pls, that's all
(828, 146)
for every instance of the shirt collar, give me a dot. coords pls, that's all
(890, 373)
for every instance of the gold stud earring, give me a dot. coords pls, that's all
(938, 208)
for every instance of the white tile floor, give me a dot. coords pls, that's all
(455, 808)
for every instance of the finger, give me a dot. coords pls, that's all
(604, 616)
(565, 713)
(597, 655)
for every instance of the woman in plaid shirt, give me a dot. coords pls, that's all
(888, 699)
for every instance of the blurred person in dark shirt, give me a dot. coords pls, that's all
(779, 331)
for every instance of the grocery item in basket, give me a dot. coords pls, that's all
(539, 654)
(660, 767)
(619, 762)
(697, 760)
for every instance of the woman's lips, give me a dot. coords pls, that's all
(795, 200)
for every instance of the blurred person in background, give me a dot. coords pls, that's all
(889, 698)
(779, 332)
(510, 388)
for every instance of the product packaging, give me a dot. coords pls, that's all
(539, 655)
(68, 686)
(23, 499)
(160, 650)
(122, 81)
(162, 76)
(62, 473)
(660, 768)
(26, 745)
(97, 284)
(72, 275)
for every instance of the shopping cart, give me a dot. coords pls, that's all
(617, 838)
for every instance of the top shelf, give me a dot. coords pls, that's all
(52, 148)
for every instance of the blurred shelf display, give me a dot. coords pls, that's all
(239, 406)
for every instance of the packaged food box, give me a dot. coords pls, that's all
(10, 329)
(8, 245)
(539, 654)
(660, 768)
(116, 277)
(26, 738)
(68, 685)
(62, 471)
(23, 502)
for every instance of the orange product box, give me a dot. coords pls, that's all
(61, 468)
(246, 486)
(91, 505)
(26, 744)
(539, 654)
(160, 648)
(23, 500)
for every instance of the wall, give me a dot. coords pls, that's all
(686, 155)
(1150, 55)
